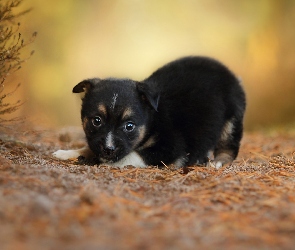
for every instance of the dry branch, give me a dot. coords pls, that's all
(11, 47)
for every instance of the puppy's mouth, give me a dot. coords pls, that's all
(111, 160)
(107, 157)
(107, 160)
(107, 154)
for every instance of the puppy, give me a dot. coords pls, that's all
(179, 114)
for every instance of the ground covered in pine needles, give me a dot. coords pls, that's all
(50, 204)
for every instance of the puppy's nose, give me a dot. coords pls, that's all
(109, 150)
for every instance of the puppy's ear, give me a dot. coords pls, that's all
(85, 85)
(150, 93)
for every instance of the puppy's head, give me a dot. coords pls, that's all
(115, 115)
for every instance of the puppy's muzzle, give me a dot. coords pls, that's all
(110, 151)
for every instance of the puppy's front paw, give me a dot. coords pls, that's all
(214, 164)
(221, 160)
(66, 154)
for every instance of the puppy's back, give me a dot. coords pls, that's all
(195, 82)
(199, 99)
(197, 73)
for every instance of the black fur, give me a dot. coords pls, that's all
(184, 109)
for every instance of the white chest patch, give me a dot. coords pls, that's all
(132, 159)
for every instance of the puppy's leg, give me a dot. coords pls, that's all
(200, 148)
(228, 145)
(73, 153)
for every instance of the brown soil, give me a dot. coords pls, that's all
(49, 204)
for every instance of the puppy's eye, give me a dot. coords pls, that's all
(129, 127)
(96, 121)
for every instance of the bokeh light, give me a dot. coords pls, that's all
(120, 38)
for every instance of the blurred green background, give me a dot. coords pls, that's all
(132, 38)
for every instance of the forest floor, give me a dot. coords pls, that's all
(46, 203)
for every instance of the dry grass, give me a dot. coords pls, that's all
(49, 204)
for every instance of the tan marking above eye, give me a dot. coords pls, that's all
(127, 113)
(102, 109)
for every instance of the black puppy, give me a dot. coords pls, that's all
(179, 114)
